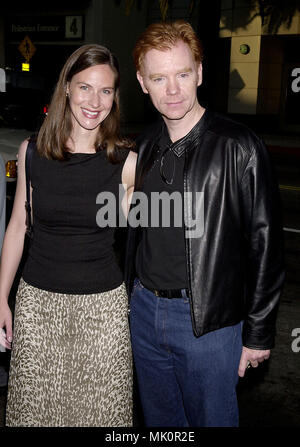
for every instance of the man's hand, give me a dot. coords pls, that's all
(252, 357)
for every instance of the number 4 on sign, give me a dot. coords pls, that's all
(74, 27)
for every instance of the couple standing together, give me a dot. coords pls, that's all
(202, 308)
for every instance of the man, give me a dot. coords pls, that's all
(205, 294)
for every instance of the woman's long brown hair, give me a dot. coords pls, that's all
(57, 126)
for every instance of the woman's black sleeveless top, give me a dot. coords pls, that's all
(70, 252)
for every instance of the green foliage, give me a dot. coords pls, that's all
(274, 13)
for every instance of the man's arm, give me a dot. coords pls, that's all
(264, 256)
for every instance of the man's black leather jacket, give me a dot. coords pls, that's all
(235, 268)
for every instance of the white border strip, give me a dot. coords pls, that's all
(291, 230)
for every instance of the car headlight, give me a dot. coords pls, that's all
(11, 169)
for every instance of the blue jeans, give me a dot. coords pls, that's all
(183, 380)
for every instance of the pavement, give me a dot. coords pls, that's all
(269, 396)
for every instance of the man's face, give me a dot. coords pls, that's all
(171, 79)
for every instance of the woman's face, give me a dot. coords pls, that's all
(91, 94)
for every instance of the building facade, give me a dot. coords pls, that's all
(264, 64)
(45, 35)
(248, 71)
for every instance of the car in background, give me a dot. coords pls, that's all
(23, 107)
(10, 140)
(23, 101)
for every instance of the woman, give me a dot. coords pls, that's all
(71, 356)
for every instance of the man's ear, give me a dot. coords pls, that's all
(199, 71)
(141, 81)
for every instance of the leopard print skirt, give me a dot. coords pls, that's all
(71, 362)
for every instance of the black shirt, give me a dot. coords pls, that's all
(69, 252)
(161, 260)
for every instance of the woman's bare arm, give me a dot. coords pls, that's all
(13, 246)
